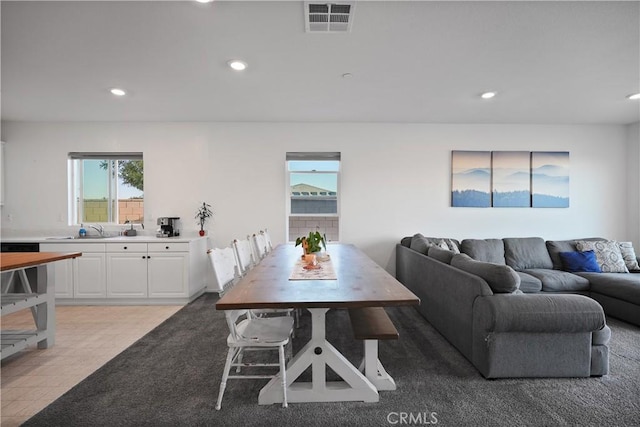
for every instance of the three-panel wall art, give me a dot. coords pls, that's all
(483, 179)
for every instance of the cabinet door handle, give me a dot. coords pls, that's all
(166, 247)
(144, 257)
(148, 256)
(125, 248)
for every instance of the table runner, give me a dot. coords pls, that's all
(324, 271)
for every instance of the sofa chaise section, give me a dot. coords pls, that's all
(537, 336)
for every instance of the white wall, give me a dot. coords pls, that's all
(395, 180)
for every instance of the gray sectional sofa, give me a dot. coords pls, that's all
(510, 309)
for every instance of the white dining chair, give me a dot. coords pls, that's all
(245, 262)
(223, 262)
(267, 240)
(244, 256)
(259, 246)
(247, 333)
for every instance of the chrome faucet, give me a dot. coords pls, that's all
(99, 228)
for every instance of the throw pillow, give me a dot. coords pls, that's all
(575, 262)
(453, 246)
(607, 253)
(629, 256)
(443, 245)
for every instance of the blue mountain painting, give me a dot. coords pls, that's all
(550, 185)
(470, 199)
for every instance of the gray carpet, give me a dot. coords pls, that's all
(170, 377)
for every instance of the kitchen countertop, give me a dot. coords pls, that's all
(113, 239)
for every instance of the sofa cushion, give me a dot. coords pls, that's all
(406, 241)
(440, 254)
(629, 256)
(607, 253)
(559, 281)
(501, 278)
(528, 283)
(419, 243)
(526, 252)
(625, 287)
(575, 262)
(489, 250)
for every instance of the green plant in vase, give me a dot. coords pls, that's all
(203, 213)
(312, 243)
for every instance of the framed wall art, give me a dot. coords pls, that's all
(471, 179)
(550, 179)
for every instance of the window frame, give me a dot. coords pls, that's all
(312, 156)
(75, 169)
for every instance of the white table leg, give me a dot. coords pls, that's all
(45, 316)
(319, 353)
(373, 369)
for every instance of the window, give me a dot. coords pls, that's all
(313, 200)
(106, 188)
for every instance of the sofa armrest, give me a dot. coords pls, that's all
(537, 313)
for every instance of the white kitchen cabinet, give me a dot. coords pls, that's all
(82, 277)
(126, 270)
(62, 270)
(153, 270)
(89, 276)
(137, 270)
(168, 274)
(127, 275)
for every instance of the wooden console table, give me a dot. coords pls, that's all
(360, 283)
(40, 300)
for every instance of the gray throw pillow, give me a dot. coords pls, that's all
(440, 254)
(500, 278)
(629, 256)
(608, 255)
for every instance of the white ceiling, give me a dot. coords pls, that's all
(412, 61)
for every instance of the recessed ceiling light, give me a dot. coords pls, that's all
(347, 75)
(634, 96)
(237, 65)
(204, 1)
(118, 92)
(488, 95)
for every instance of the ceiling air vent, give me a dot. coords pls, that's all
(328, 17)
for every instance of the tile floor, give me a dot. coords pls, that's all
(86, 338)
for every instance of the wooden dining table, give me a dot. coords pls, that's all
(360, 282)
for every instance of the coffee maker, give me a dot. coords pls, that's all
(168, 226)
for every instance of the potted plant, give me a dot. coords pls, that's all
(314, 242)
(204, 212)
